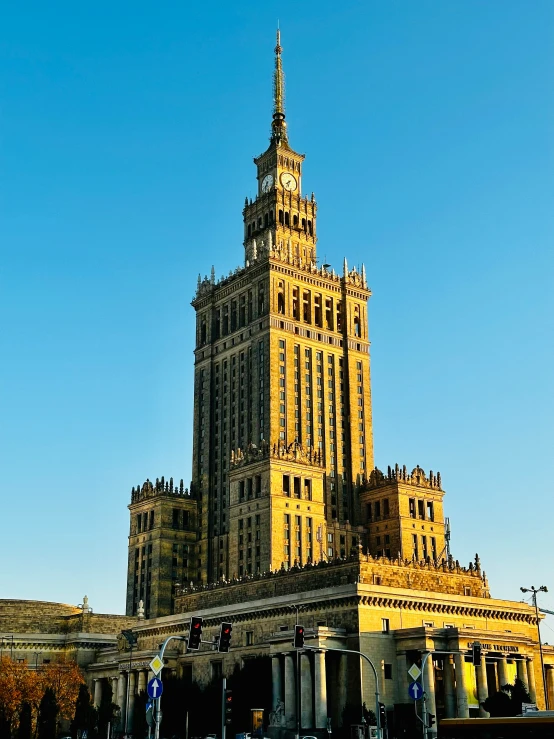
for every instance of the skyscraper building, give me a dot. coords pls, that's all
(282, 401)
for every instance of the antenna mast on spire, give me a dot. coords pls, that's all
(278, 125)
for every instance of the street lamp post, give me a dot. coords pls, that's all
(132, 640)
(534, 591)
(37, 654)
(6, 638)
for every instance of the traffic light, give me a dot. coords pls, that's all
(228, 707)
(298, 637)
(195, 633)
(382, 715)
(224, 637)
(431, 720)
(476, 654)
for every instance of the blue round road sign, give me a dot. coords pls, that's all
(155, 688)
(415, 690)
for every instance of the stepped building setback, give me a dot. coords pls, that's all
(287, 514)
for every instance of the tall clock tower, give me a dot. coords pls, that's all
(282, 415)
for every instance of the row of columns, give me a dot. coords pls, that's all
(313, 689)
(133, 681)
(456, 689)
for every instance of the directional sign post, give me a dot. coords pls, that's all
(415, 690)
(155, 688)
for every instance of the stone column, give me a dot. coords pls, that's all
(141, 681)
(502, 672)
(482, 687)
(97, 692)
(306, 692)
(449, 689)
(122, 698)
(276, 681)
(550, 685)
(113, 681)
(521, 668)
(531, 679)
(461, 686)
(401, 679)
(320, 690)
(342, 687)
(132, 689)
(290, 690)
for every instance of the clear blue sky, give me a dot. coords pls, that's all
(127, 133)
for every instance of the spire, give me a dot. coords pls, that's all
(278, 125)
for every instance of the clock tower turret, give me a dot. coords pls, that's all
(279, 215)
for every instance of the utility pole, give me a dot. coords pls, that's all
(534, 591)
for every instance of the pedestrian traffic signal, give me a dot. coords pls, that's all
(431, 720)
(228, 707)
(299, 637)
(195, 633)
(476, 654)
(224, 637)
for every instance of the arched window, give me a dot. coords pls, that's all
(203, 331)
(310, 227)
(295, 221)
(249, 230)
(281, 303)
(266, 219)
(303, 224)
(281, 217)
(271, 216)
(287, 218)
(260, 222)
(356, 325)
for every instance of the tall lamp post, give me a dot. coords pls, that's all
(132, 640)
(534, 591)
(298, 707)
(6, 638)
(37, 655)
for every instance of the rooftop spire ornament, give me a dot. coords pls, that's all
(278, 125)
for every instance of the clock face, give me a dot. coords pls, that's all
(288, 181)
(267, 182)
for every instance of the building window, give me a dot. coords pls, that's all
(388, 671)
(249, 638)
(216, 669)
(428, 624)
(412, 508)
(421, 509)
(467, 590)
(430, 512)
(385, 625)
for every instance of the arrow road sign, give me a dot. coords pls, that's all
(155, 688)
(415, 690)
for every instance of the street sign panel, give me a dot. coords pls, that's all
(149, 714)
(414, 672)
(156, 665)
(415, 690)
(155, 688)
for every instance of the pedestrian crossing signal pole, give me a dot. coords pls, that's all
(223, 693)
